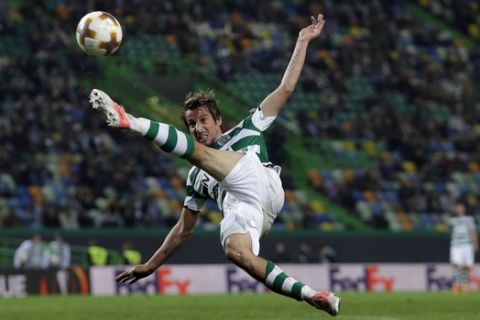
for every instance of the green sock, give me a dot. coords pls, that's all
(456, 275)
(277, 281)
(170, 140)
(464, 277)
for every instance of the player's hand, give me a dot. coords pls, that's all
(134, 274)
(313, 30)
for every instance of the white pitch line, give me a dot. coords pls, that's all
(368, 318)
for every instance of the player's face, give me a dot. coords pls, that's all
(459, 210)
(203, 127)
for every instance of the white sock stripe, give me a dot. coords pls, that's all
(272, 275)
(307, 292)
(162, 134)
(288, 284)
(181, 146)
(141, 124)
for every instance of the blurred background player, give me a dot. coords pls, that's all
(60, 258)
(59, 253)
(245, 185)
(463, 245)
(31, 254)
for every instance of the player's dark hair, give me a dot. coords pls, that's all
(194, 100)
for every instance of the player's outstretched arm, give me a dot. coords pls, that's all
(275, 101)
(174, 240)
(474, 239)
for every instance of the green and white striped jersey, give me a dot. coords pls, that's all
(245, 136)
(461, 230)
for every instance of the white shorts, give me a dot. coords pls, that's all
(254, 199)
(462, 255)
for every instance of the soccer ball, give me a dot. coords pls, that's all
(99, 33)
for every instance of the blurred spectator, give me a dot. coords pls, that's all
(130, 255)
(461, 14)
(304, 254)
(31, 254)
(96, 254)
(382, 68)
(281, 253)
(326, 254)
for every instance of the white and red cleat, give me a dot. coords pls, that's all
(326, 301)
(116, 115)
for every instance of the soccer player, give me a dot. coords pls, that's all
(233, 169)
(463, 245)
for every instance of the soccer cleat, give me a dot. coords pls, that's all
(116, 115)
(326, 301)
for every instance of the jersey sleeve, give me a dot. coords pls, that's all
(259, 120)
(450, 222)
(193, 199)
(472, 226)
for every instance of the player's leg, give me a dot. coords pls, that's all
(255, 196)
(62, 280)
(467, 265)
(456, 285)
(217, 163)
(238, 249)
(455, 261)
(465, 279)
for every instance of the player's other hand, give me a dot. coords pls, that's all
(313, 30)
(134, 274)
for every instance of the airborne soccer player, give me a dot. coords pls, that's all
(233, 169)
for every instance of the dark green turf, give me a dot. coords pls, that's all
(355, 306)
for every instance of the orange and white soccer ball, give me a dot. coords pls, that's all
(99, 33)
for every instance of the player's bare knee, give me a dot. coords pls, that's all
(242, 257)
(232, 253)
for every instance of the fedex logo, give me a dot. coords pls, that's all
(169, 284)
(161, 282)
(439, 277)
(368, 279)
(475, 281)
(239, 281)
(146, 285)
(436, 279)
(375, 281)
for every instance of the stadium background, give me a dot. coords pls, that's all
(379, 140)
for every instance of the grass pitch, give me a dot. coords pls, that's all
(355, 306)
